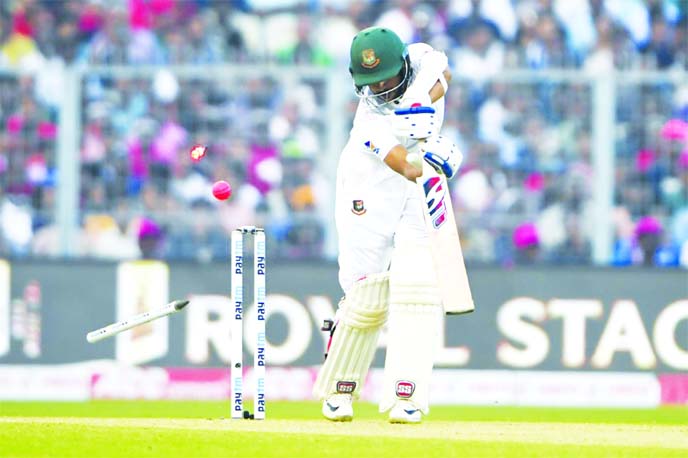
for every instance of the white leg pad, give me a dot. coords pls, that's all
(361, 316)
(415, 322)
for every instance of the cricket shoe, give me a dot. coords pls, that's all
(404, 412)
(338, 407)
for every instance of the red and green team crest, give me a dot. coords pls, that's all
(358, 208)
(369, 59)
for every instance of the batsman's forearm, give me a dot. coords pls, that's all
(433, 64)
(396, 160)
(437, 91)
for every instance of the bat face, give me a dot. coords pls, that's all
(444, 242)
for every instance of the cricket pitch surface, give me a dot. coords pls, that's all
(166, 429)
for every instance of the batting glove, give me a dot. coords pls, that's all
(442, 154)
(415, 122)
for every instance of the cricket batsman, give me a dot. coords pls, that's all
(385, 263)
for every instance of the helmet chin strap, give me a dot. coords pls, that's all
(379, 100)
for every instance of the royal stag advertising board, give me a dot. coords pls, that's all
(535, 319)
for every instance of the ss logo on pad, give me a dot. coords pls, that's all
(405, 389)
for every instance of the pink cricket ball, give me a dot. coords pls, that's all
(222, 190)
(198, 152)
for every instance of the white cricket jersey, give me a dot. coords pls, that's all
(370, 123)
(371, 136)
(372, 199)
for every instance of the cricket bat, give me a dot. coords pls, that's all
(444, 242)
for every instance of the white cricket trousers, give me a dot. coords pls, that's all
(375, 208)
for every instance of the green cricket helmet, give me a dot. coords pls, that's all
(377, 54)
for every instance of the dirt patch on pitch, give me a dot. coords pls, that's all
(672, 437)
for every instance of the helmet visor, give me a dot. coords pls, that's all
(387, 95)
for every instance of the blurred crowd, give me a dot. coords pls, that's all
(482, 37)
(524, 194)
(261, 136)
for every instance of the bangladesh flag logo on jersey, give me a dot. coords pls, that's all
(358, 208)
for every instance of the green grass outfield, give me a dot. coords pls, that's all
(294, 429)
